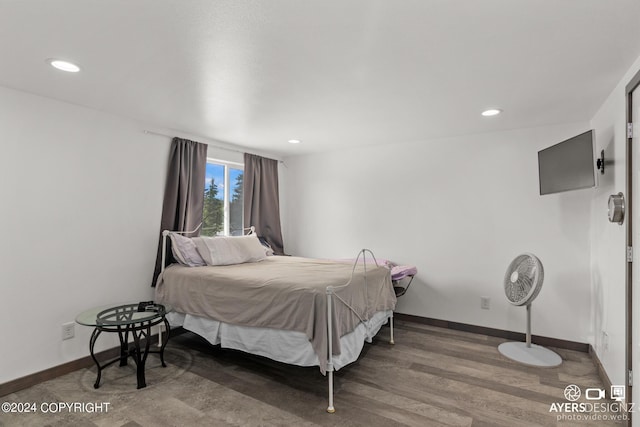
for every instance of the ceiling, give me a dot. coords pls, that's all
(332, 73)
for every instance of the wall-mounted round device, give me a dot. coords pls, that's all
(616, 208)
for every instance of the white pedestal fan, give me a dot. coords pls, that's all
(522, 283)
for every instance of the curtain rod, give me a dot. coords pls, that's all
(172, 136)
(150, 132)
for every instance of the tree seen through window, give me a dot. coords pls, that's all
(219, 194)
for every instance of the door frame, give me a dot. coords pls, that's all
(631, 86)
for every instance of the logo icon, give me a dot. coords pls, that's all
(617, 392)
(572, 392)
(594, 393)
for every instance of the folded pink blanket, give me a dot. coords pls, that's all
(398, 272)
(401, 271)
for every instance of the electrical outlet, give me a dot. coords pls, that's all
(605, 340)
(68, 330)
(485, 303)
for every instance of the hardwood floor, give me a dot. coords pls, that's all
(430, 377)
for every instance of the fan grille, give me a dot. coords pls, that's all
(523, 279)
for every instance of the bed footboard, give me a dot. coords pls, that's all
(330, 301)
(330, 408)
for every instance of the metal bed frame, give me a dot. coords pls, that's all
(331, 295)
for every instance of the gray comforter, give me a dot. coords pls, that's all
(280, 292)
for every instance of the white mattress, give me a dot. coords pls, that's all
(290, 347)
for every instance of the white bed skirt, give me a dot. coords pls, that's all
(290, 347)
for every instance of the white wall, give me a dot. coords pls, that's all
(460, 209)
(81, 199)
(608, 240)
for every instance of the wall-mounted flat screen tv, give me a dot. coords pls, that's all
(567, 165)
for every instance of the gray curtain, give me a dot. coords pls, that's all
(184, 191)
(261, 199)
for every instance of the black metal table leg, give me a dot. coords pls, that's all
(143, 359)
(139, 357)
(124, 344)
(167, 329)
(92, 343)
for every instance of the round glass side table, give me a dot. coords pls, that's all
(125, 320)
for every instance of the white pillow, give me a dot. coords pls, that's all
(230, 250)
(184, 251)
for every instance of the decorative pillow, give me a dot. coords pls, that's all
(185, 251)
(230, 250)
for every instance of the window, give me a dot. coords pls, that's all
(223, 202)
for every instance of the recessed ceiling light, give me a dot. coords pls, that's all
(294, 141)
(491, 112)
(63, 65)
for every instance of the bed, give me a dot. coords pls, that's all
(301, 311)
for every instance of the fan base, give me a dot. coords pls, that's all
(533, 356)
